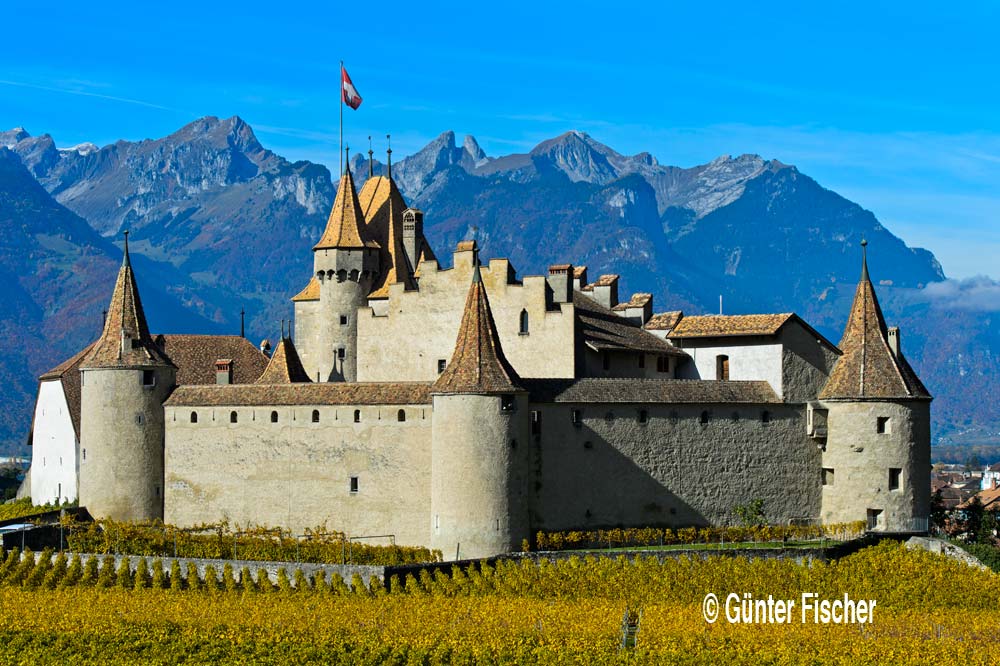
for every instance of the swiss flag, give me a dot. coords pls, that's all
(348, 92)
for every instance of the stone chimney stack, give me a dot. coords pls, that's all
(560, 281)
(894, 340)
(413, 231)
(224, 371)
(579, 278)
(606, 291)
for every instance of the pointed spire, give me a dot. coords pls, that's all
(125, 339)
(242, 323)
(868, 369)
(371, 159)
(343, 227)
(478, 364)
(285, 367)
(388, 157)
(864, 261)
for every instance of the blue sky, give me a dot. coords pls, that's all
(894, 105)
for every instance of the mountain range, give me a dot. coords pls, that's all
(220, 223)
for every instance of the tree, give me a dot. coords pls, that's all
(751, 514)
(938, 511)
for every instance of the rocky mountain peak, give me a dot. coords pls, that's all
(10, 138)
(474, 151)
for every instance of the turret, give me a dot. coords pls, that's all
(876, 461)
(345, 266)
(124, 380)
(479, 442)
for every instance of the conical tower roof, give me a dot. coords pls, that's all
(125, 340)
(383, 207)
(284, 366)
(868, 369)
(343, 227)
(478, 364)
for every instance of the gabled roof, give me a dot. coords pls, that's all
(383, 206)
(343, 227)
(663, 321)
(125, 340)
(310, 293)
(989, 498)
(603, 330)
(195, 357)
(68, 372)
(713, 326)
(868, 369)
(284, 366)
(478, 364)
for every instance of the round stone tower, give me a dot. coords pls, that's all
(345, 266)
(124, 380)
(479, 443)
(876, 465)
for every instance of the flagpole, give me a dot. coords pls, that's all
(341, 119)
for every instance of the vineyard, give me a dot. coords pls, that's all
(930, 610)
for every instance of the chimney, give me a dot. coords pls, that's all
(638, 309)
(224, 371)
(894, 340)
(579, 278)
(466, 255)
(413, 231)
(606, 291)
(560, 280)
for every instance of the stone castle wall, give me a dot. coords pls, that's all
(297, 474)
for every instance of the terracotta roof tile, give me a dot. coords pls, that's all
(343, 227)
(195, 357)
(125, 340)
(868, 369)
(310, 293)
(713, 326)
(284, 366)
(560, 268)
(323, 393)
(68, 372)
(579, 271)
(383, 206)
(478, 364)
(680, 391)
(637, 301)
(605, 281)
(601, 329)
(664, 321)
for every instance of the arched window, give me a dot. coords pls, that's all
(704, 417)
(232, 417)
(524, 322)
(274, 417)
(357, 416)
(315, 416)
(401, 415)
(722, 367)
(194, 417)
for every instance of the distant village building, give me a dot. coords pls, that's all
(466, 408)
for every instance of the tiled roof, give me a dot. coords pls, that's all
(478, 364)
(324, 393)
(125, 340)
(663, 321)
(720, 326)
(680, 391)
(343, 227)
(195, 357)
(68, 372)
(284, 366)
(989, 498)
(637, 301)
(602, 330)
(560, 268)
(310, 293)
(605, 281)
(868, 369)
(382, 205)
(579, 271)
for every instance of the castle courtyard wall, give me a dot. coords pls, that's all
(613, 470)
(296, 473)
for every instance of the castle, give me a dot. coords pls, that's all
(465, 408)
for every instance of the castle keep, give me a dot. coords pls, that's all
(464, 408)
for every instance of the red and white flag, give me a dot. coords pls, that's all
(347, 90)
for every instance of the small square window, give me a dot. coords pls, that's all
(442, 364)
(507, 403)
(536, 422)
(663, 364)
(341, 353)
(343, 320)
(148, 378)
(883, 425)
(643, 416)
(576, 417)
(895, 474)
(827, 476)
(354, 484)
